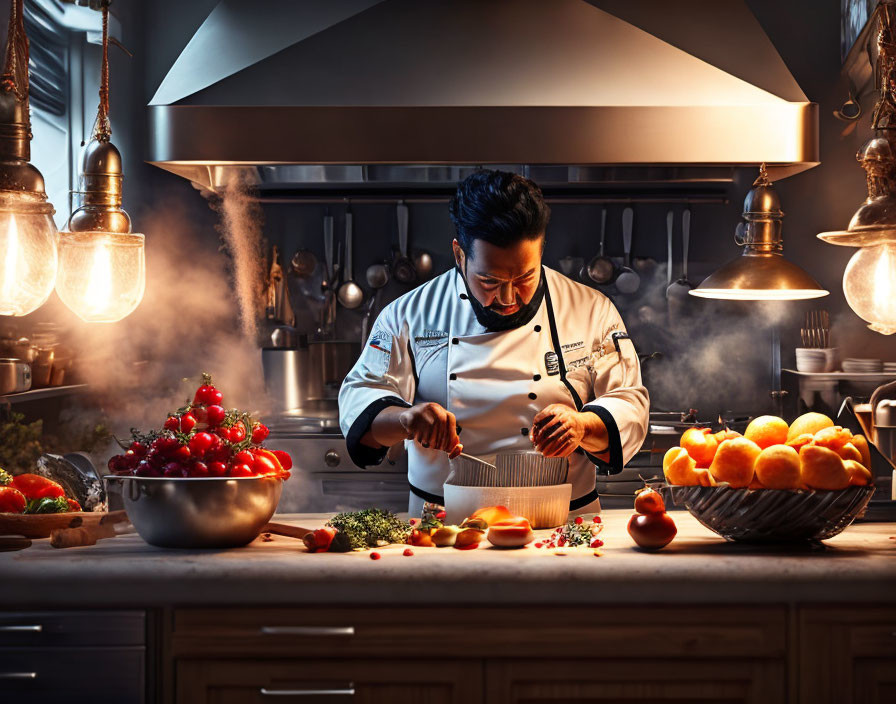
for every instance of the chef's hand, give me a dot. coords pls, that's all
(559, 429)
(433, 427)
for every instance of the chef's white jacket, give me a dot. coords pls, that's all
(428, 346)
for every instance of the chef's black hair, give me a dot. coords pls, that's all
(499, 207)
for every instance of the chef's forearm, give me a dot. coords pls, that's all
(596, 438)
(386, 429)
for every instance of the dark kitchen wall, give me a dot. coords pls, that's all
(716, 358)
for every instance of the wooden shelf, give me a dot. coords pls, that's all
(41, 394)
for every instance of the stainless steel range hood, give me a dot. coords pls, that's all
(303, 93)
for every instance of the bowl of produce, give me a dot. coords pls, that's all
(207, 512)
(777, 482)
(204, 480)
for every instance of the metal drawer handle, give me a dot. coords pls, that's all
(350, 692)
(21, 629)
(308, 630)
(18, 675)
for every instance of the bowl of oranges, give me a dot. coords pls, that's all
(778, 482)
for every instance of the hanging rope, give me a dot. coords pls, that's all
(102, 128)
(15, 72)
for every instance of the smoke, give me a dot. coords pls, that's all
(197, 315)
(714, 355)
(241, 226)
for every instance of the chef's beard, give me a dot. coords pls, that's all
(493, 321)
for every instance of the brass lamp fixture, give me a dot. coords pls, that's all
(761, 273)
(102, 267)
(869, 280)
(28, 256)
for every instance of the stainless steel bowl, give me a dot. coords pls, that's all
(213, 512)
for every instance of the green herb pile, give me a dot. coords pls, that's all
(48, 505)
(371, 527)
(5, 477)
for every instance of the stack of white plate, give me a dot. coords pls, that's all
(811, 360)
(862, 366)
(856, 365)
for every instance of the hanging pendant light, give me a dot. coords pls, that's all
(27, 231)
(102, 267)
(869, 280)
(761, 273)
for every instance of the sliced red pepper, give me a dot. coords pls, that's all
(34, 486)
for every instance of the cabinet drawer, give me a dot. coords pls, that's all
(311, 681)
(614, 681)
(682, 632)
(70, 675)
(71, 628)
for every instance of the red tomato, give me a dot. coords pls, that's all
(198, 469)
(652, 531)
(649, 500)
(73, 505)
(244, 457)
(259, 433)
(181, 453)
(172, 423)
(206, 395)
(34, 486)
(241, 470)
(263, 465)
(217, 469)
(238, 432)
(214, 396)
(12, 500)
(201, 442)
(138, 448)
(284, 458)
(199, 414)
(187, 422)
(146, 468)
(215, 414)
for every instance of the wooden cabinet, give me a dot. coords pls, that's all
(847, 656)
(311, 680)
(607, 679)
(494, 654)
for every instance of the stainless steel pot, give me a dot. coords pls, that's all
(213, 512)
(15, 376)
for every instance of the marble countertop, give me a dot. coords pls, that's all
(857, 566)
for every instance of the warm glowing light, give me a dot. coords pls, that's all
(28, 256)
(869, 283)
(746, 294)
(102, 275)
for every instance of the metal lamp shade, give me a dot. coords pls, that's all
(759, 276)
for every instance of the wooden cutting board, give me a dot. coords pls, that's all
(40, 525)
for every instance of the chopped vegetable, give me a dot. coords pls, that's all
(5, 477)
(572, 535)
(371, 527)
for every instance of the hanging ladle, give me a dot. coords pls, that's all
(350, 295)
(679, 288)
(627, 280)
(600, 268)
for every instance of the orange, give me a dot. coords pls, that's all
(701, 444)
(678, 466)
(766, 431)
(849, 452)
(800, 440)
(861, 444)
(833, 437)
(808, 423)
(734, 461)
(726, 434)
(859, 475)
(821, 468)
(778, 467)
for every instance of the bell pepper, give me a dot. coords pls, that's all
(34, 486)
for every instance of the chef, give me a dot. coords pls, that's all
(499, 354)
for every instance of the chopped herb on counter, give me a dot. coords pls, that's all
(576, 533)
(370, 528)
